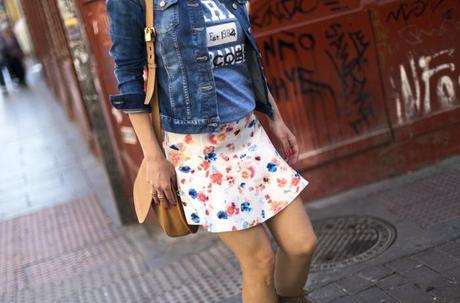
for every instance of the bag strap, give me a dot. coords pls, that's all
(151, 93)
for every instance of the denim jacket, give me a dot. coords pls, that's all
(185, 83)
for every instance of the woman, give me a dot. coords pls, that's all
(229, 175)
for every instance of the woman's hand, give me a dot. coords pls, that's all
(287, 139)
(162, 177)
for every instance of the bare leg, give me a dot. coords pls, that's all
(253, 249)
(297, 242)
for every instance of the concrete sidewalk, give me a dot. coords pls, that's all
(62, 242)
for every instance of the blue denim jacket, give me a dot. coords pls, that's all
(185, 82)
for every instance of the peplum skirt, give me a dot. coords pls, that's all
(231, 179)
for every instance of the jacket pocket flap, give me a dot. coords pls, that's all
(164, 4)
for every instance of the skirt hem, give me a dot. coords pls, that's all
(305, 184)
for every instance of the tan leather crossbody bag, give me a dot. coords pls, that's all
(171, 219)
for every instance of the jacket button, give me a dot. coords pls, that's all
(162, 3)
(249, 29)
(234, 5)
(214, 124)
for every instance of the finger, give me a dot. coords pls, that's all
(163, 199)
(285, 145)
(170, 196)
(153, 193)
(295, 149)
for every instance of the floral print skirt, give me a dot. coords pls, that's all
(233, 178)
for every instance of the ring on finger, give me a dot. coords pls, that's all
(160, 195)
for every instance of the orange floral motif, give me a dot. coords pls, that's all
(230, 180)
(177, 158)
(216, 178)
(230, 146)
(225, 157)
(188, 139)
(295, 181)
(205, 164)
(281, 182)
(277, 206)
(248, 172)
(232, 209)
(221, 137)
(202, 197)
(212, 138)
(209, 149)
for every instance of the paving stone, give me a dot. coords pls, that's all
(391, 281)
(446, 293)
(375, 273)
(422, 276)
(437, 260)
(353, 284)
(327, 293)
(346, 299)
(403, 265)
(409, 293)
(451, 247)
(374, 295)
(452, 274)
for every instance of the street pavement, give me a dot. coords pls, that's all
(61, 239)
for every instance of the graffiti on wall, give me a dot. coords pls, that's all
(345, 97)
(409, 14)
(426, 81)
(298, 77)
(347, 52)
(418, 77)
(274, 12)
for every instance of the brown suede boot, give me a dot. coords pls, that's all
(295, 299)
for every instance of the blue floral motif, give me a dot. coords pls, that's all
(245, 206)
(222, 215)
(210, 157)
(174, 146)
(185, 169)
(242, 184)
(252, 123)
(242, 156)
(271, 167)
(262, 214)
(192, 192)
(253, 147)
(195, 218)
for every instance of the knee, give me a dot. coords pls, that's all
(304, 249)
(264, 258)
(261, 262)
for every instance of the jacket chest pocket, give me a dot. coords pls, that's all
(166, 15)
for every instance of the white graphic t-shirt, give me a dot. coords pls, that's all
(226, 46)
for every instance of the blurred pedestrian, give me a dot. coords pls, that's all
(230, 177)
(14, 55)
(3, 64)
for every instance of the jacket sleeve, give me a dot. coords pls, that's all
(127, 22)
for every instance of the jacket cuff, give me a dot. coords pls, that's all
(130, 103)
